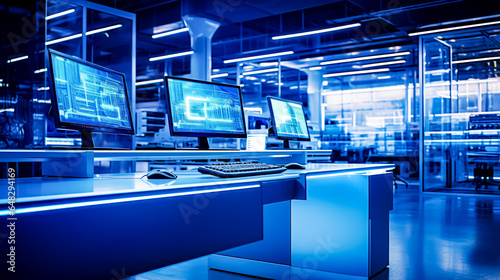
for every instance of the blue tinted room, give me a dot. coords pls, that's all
(248, 139)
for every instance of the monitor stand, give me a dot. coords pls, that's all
(203, 143)
(286, 144)
(87, 141)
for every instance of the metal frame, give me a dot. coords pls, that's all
(119, 13)
(421, 71)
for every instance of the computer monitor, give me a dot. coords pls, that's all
(288, 120)
(88, 97)
(204, 109)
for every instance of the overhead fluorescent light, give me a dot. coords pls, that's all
(268, 64)
(148, 82)
(7, 110)
(258, 57)
(171, 32)
(364, 90)
(171, 55)
(40, 70)
(60, 14)
(219, 75)
(307, 33)
(103, 29)
(364, 58)
(215, 70)
(383, 77)
(383, 63)
(17, 59)
(313, 58)
(453, 28)
(437, 72)
(43, 88)
(356, 72)
(315, 68)
(63, 39)
(260, 71)
(476, 59)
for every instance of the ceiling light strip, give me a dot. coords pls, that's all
(476, 59)
(171, 55)
(258, 57)
(40, 70)
(316, 31)
(364, 58)
(171, 32)
(148, 82)
(315, 68)
(260, 71)
(17, 59)
(219, 75)
(356, 72)
(60, 14)
(63, 39)
(103, 29)
(453, 28)
(383, 63)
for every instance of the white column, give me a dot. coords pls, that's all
(201, 31)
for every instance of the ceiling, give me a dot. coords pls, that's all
(247, 26)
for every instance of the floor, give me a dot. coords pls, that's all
(431, 237)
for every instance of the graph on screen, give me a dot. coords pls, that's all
(290, 120)
(89, 96)
(205, 108)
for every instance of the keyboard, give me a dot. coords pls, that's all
(241, 169)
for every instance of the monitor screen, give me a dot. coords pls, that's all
(288, 119)
(87, 96)
(204, 109)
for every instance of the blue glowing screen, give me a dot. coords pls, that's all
(289, 119)
(89, 96)
(205, 108)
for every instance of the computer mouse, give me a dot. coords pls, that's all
(161, 174)
(295, 166)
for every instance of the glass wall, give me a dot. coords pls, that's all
(95, 33)
(380, 116)
(461, 123)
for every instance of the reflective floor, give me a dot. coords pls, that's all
(432, 237)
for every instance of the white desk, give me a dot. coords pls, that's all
(86, 228)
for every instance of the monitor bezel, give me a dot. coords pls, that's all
(273, 120)
(202, 134)
(76, 126)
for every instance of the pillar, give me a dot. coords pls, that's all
(314, 85)
(201, 31)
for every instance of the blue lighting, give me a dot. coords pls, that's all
(205, 108)
(109, 201)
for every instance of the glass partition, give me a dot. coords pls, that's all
(98, 34)
(461, 120)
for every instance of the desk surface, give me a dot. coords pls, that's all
(56, 188)
(125, 155)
